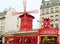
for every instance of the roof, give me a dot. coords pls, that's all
(47, 4)
(23, 33)
(3, 13)
(28, 15)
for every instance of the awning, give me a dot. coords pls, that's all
(48, 31)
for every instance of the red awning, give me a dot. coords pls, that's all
(48, 31)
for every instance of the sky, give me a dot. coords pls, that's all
(18, 5)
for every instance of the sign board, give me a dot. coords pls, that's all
(48, 31)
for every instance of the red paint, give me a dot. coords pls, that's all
(32, 39)
(26, 24)
(48, 31)
(26, 19)
(22, 40)
(46, 22)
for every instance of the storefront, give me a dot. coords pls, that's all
(22, 38)
(40, 36)
(48, 36)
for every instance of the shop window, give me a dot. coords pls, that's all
(49, 39)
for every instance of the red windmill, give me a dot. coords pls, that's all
(26, 19)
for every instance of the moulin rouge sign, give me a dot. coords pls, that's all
(48, 31)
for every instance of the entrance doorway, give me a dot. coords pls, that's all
(49, 39)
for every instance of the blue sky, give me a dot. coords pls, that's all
(18, 5)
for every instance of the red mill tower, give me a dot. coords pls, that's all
(26, 22)
(26, 19)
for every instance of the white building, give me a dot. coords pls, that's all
(51, 9)
(11, 21)
(8, 23)
(2, 22)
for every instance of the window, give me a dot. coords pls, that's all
(43, 4)
(17, 25)
(52, 18)
(41, 25)
(47, 11)
(42, 19)
(48, 3)
(56, 25)
(43, 12)
(51, 25)
(52, 10)
(56, 18)
(57, 9)
(2, 27)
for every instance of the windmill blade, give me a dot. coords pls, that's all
(33, 11)
(16, 13)
(24, 5)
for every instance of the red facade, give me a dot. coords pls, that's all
(26, 22)
(42, 32)
(48, 31)
(21, 40)
(46, 22)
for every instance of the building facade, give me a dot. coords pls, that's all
(11, 21)
(50, 9)
(40, 36)
(2, 24)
